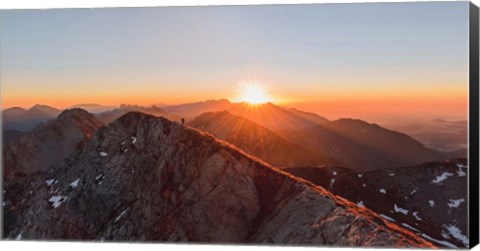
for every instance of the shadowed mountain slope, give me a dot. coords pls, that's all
(272, 116)
(257, 140)
(313, 117)
(363, 146)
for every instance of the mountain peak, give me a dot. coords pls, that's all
(74, 113)
(43, 107)
(49, 143)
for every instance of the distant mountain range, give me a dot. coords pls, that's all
(191, 110)
(109, 116)
(19, 119)
(145, 178)
(94, 108)
(318, 141)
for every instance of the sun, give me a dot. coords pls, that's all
(254, 94)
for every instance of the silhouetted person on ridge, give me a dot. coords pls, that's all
(183, 121)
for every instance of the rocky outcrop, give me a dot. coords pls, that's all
(144, 178)
(48, 144)
(430, 199)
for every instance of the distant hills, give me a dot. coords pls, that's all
(23, 120)
(94, 108)
(191, 110)
(109, 116)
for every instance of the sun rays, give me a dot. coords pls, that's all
(254, 93)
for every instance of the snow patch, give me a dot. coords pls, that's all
(439, 179)
(120, 215)
(445, 235)
(359, 175)
(382, 190)
(364, 185)
(391, 174)
(57, 200)
(461, 165)
(398, 209)
(461, 173)
(386, 217)
(431, 203)
(334, 173)
(445, 243)
(415, 214)
(103, 154)
(455, 203)
(410, 227)
(50, 182)
(457, 234)
(360, 204)
(75, 183)
(19, 236)
(414, 191)
(331, 182)
(134, 140)
(99, 179)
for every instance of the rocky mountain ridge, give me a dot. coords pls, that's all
(144, 178)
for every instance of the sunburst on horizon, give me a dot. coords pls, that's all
(254, 94)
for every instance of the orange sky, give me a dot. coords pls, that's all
(337, 60)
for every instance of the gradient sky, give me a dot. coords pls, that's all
(379, 55)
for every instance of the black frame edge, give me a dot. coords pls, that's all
(473, 157)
